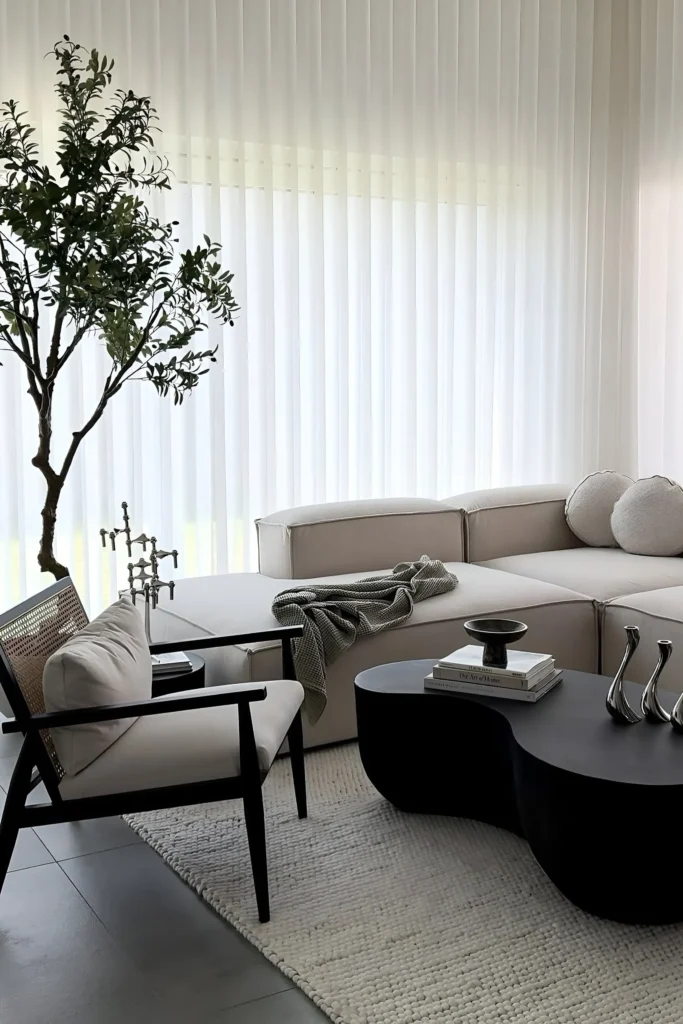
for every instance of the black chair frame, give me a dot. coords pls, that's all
(34, 764)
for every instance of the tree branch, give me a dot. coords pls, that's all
(13, 297)
(113, 384)
(30, 169)
(52, 364)
(34, 367)
(30, 374)
(19, 352)
(78, 435)
(71, 348)
(36, 313)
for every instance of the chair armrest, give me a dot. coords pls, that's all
(134, 709)
(280, 633)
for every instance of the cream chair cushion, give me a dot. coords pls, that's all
(188, 746)
(106, 662)
(648, 518)
(590, 505)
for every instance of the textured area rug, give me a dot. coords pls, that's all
(387, 918)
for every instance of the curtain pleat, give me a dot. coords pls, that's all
(455, 230)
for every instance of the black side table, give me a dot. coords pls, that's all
(172, 682)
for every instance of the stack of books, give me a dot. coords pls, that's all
(527, 676)
(170, 664)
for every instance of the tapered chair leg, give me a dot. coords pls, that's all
(256, 834)
(19, 788)
(253, 811)
(295, 736)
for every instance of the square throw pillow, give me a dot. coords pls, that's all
(106, 662)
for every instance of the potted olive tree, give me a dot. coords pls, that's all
(83, 261)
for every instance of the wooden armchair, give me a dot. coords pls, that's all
(217, 749)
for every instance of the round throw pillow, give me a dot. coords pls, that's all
(648, 518)
(589, 507)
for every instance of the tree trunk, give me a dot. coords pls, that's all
(46, 556)
(55, 483)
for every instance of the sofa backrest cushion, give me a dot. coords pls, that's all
(514, 521)
(357, 536)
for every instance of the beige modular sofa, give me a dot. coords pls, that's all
(512, 553)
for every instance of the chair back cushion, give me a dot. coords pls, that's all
(106, 662)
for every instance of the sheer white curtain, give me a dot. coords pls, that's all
(660, 273)
(431, 211)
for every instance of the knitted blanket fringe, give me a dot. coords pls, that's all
(334, 615)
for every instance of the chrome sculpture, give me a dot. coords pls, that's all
(677, 715)
(649, 702)
(149, 582)
(616, 702)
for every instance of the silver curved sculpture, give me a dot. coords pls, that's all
(649, 702)
(677, 715)
(616, 702)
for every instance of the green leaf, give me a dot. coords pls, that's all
(94, 248)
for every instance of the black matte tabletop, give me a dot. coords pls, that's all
(569, 727)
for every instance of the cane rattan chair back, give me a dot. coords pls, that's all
(29, 634)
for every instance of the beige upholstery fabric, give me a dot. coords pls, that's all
(559, 621)
(659, 616)
(514, 520)
(355, 536)
(218, 605)
(106, 662)
(187, 746)
(600, 573)
(590, 505)
(648, 518)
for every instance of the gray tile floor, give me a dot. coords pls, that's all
(95, 927)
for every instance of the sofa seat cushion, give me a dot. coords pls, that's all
(228, 604)
(600, 573)
(187, 746)
(561, 622)
(659, 616)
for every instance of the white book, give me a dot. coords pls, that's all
(177, 661)
(475, 675)
(521, 664)
(481, 689)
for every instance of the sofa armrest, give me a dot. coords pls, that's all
(514, 521)
(357, 536)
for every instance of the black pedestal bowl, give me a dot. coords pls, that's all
(495, 635)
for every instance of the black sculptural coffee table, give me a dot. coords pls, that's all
(601, 805)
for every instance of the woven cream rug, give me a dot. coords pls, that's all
(387, 918)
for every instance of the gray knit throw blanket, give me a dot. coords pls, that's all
(335, 614)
